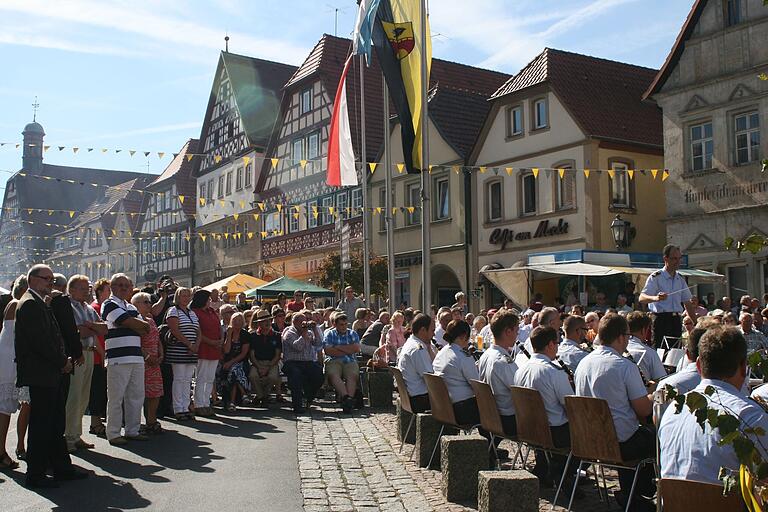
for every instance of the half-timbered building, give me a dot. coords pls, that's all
(241, 112)
(167, 221)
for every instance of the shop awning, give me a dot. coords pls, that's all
(236, 283)
(287, 286)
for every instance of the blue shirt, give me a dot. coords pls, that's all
(662, 281)
(689, 453)
(332, 338)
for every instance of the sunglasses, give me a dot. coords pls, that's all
(47, 279)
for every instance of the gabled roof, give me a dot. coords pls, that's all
(677, 48)
(180, 171)
(105, 207)
(603, 96)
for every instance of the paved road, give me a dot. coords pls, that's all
(241, 461)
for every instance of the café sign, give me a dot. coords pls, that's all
(504, 236)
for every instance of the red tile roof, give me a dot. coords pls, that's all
(181, 169)
(677, 48)
(603, 96)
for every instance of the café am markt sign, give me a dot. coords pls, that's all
(504, 236)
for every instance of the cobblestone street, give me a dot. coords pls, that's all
(352, 463)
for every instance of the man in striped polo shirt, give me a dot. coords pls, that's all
(125, 362)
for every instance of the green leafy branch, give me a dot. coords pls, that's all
(754, 243)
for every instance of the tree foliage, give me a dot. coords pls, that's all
(330, 272)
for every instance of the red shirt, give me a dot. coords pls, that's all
(295, 306)
(210, 327)
(97, 360)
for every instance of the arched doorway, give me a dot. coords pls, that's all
(445, 285)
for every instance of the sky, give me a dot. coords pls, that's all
(136, 74)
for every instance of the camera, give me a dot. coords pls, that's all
(309, 325)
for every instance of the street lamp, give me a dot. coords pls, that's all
(622, 231)
(217, 271)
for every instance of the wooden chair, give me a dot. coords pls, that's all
(685, 495)
(442, 408)
(533, 427)
(490, 419)
(594, 440)
(405, 404)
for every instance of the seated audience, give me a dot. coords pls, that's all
(300, 348)
(266, 349)
(340, 345)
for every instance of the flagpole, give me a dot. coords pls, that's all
(388, 201)
(426, 241)
(364, 175)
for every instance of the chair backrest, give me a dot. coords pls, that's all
(593, 434)
(686, 495)
(405, 400)
(439, 399)
(531, 417)
(490, 419)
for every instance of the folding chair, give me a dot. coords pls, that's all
(405, 404)
(490, 419)
(533, 428)
(587, 415)
(686, 495)
(442, 409)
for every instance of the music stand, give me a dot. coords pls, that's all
(665, 342)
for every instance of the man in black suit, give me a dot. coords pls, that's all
(41, 363)
(62, 311)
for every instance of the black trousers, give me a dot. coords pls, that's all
(46, 446)
(420, 403)
(509, 423)
(666, 324)
(165, 407)
(304, 380)
(466, 412)
(642, 445)
(97, 402)
(561, 437)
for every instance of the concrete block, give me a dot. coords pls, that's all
(461, 458)
(427, 430)
(403, 420)
(379, 388)
(512, 491)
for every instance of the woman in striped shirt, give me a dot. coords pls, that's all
(181, 350)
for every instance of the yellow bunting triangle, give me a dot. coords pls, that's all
(17, 145)
(104, 150)
(181, 199)
(295, 215)
(631, 173)
(303, 163)
(217, 158)
(202, 201)
(246, 160)
(203, 236)
(561, 172)
(611, 173)
(430, 169)
(186, 237)
(483, 169)
(226, 236)
(331, 209)
(297, 208)
(45, 148)
(235, 215)
(400, 168)
(250, 235)
(261, 206)
(189, 158)
(222, 202)
(372, 166)
(263, 234)
(410, 209)
(71, 214)
(314, 211)
(160, 154)
(586, 173)
(456, 169)
(146, 153)
(664, 175)
(509, 171)
(535, 172)
(131, 152)
(255, 216)
(274, 162)
(654, 172)
(394, 210)
(75, 150)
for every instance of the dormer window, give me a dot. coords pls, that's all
(732, 13)
(540, 114)
(306, 101)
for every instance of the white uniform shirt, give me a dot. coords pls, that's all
(661, 281)
(551, 382)
(605, 374)
(414, 362)
(497, 369)
(456, 367)
(689, 453)
(685, 380)
(571, 353)
(439, 333)
(524, 332)
(646, 358)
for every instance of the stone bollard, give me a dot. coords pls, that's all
(461, 458)
(513, 491)
(427, 430)
(403, 420)
(379, 388)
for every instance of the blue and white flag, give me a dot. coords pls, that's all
(361, 39)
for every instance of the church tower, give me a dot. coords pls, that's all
(33, 147)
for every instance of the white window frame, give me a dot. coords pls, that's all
(313, 153)
(620, 184)
(297, 158)
(561, 188)
(538, 123)
(239, 178)
(439, 214)
(342, 203)
(210, 190)
(168, 200)
(489, 200)
(229, 182)
(750, 129)
(305, 101)
(325, 203)
(294, 222)
(515, 128)
(413, 219)
(202, 190)
(312, 222)
(248, 175)
(701, 143)
(221, 187)
(524, 210)
(357, 202)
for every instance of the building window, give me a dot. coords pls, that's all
(732, 12)
(159, 203)
(325, 214)
(515, 121)
(528, 193)
(737, 280)
(221, 187)
(442, 204)
(701, 146)
(311, 218)
(622, 195)
(72, 241)
(239, 179)
(342, 204)
(248, 175)
(59, 244)
(383, 206)
(493, 200)
(168, 200)
(565, 188)
(357, 202)
(229, 182)
(540, 114)
(413, 200)
(747, 132)
(306, 101)
(313, 146)
(244, 234)
(272, 224)
(210, 190)
(202, 190)
(298, 151)
(293, 222)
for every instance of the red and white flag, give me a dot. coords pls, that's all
(341, 155)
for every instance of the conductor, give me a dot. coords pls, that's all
(666, 294)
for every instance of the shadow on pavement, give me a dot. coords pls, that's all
(121, 467)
